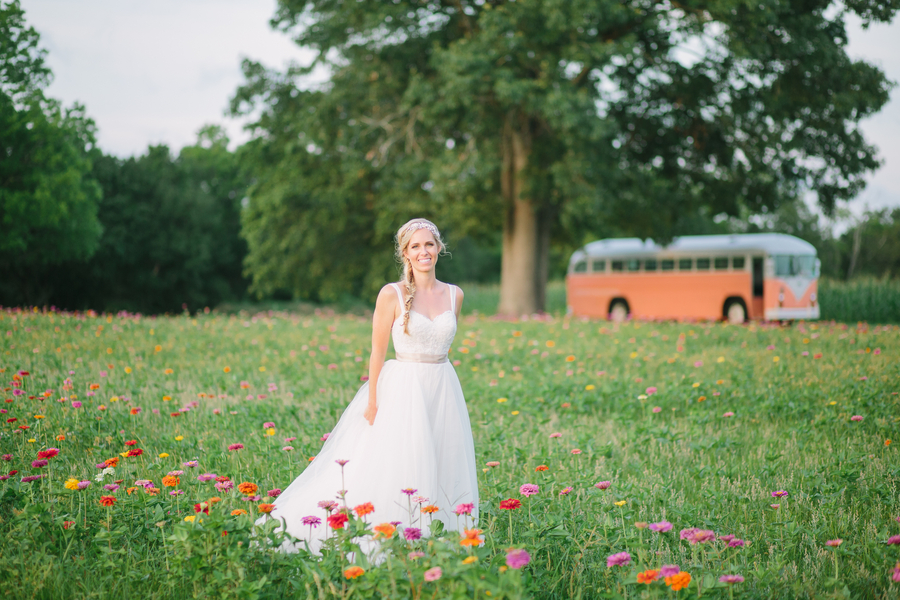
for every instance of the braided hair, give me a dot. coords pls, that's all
(404, 235)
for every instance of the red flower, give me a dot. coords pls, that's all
(510, 504)
(338, 520)
(176, 414)
(202, 507)
(11, 420)
(131, 443)
(135, 452)
(48, 453)
(67, 524)
(23, 427)
(222, 478)
(13, 472)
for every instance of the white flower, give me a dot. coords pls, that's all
(99, 477)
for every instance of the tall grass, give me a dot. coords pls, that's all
(483, 298)
(863, 299)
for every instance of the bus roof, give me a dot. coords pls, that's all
(770, 243)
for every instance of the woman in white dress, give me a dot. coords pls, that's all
(411, 430)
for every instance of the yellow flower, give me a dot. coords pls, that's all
(114, 399)
(158, 348)
(128, 369)
(71, 483)
(633, 355)
(502, 400)
(589, 387)
(38, 416)
(166, 398)
(123, 453)
(164, 455)
(109, 350)
(775, 359)
(168, 371)
(620, 503)
(178, 438)
(270, 431)
(262, 369)
(721, 359)
(515, 412)
(190, 518)
(469, 560)
(696, 385)
(832, 403)
(227, 369)
(551, 343)
(31, 440)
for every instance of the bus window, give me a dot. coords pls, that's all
(737, 263)
(598, 266)
(634, 264)
(667, 264)
(786, 266)
(684, 264)
(650, 264)
(721, 263)
(580, 267)
(703, 264)
(617, 265)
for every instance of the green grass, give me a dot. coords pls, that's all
(688, 463)
(862, 299)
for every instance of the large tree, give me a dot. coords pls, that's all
(48, 197)
(548, 119)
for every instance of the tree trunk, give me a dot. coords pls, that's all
(521, 290)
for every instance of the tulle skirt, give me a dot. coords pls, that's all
(421, 440)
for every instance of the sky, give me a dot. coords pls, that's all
(156, 72)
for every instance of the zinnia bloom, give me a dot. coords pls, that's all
(540, 468)
(364, 509)
(465, 508)
(529, 489)
(619, 559)
(660, 527)
(565, 491)
(238, 511)
(470, 538)
(731, 579)
(353, 572)
(37, 464)
(311, 521)
(431, 508)
(338, 520)
(678, 581)
(602, 485)
(409, 491)
(170, 481)
(234, 447)
(48, 453)
(779, 494)
(517, 558)
(669, 570)
(492, 463)
(893, 540)
(274, 493)
(107, 500)
(247, 488)
(648, 576)
(834, 543)
(433, 574)
(412, 534)
(265, 508)
(510, 504)
(384, 529)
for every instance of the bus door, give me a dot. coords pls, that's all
(757, 307)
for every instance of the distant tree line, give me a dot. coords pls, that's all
(307, 208)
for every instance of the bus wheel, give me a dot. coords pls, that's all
(618, 311)
(735, 312)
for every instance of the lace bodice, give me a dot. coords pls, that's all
(425, 336)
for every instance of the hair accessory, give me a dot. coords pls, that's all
(421, 225)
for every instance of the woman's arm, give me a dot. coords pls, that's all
(459, 299)
(385, 310)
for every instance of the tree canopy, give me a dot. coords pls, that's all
(550, 120)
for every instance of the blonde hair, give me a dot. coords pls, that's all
(404, 235)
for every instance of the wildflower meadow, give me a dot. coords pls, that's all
(641, 460)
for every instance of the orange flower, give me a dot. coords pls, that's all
(131, 489)
(95, 386)
(112, 462)
(678, 581)
(214, 499)
(170, 481)
(385, 529)
(540, 468)
(227, 369)
(265, 508)
(648, 576)
(60, 438)
(135, 410)
(152, 491)
(570, 358)
(364, 509)
(238, 511)
(247, 488)
(107, 500)
(354, 572)
(431, 508)
(471, 538)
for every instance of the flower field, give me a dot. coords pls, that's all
(641, 460)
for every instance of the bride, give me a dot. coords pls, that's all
(404, 443)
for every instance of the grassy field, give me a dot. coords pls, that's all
(780, 437)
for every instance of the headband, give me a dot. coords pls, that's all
(420, 225)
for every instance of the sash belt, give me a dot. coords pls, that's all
(422, 358)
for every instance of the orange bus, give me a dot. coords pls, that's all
(769, 276)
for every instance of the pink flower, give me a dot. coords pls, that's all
(602, 485)
(517, 558)
(779, 494)
(893, 540)
(287, 448)
(234, 447)
(620, 559)
(565, 491)
(736, 543)
(415, 554)
(896, 574)
(856, 418)
(555, 435)
(576, 451)
(726, 538)
(325, 436)
(731, 579)
(728, 415)
(697, 536)
(661, 527)
(492, 463)
(412, 534)
(876, 351)
(834, 543)
(311, 521)
(529, 489)
(273, 493)
(465, 508)
(76, 404)
(409, 491)
(268, 424)
(669, 570)
(698, 364)
(657, 409)
(433, 574)
(651, 390)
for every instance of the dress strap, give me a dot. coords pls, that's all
(399, 293)
(452, 298)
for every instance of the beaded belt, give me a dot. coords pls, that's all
(422, 358)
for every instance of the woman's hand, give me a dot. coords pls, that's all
(369, 415)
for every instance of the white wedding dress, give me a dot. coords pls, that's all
(421, 440)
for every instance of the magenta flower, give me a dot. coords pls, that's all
(328, 505)
(273, 493)
(661, 527)
(529, 489)
(433, 574)
(224, 486)
(736, 543)
(651, 390)
(517, 558)
(697, 536)
(779, 494)
(37, 464)
(893, 540)
(657, 409)
(834, 543)
(76, 404)
(7, 457)
(341, 461)
(856, 418)
(726, 538)
(176, 492)
(602, 485)
(620, 559)
(895, 575)
(111, 487)
(565, 491)
(669, 570)
(465, 508)
(206, 477)
(409, 491)
(268, 424)
(191, 464)
(311, 521)
(83, 484)
(412, 534)
(29, 478)
(731, 579)
(234, 447)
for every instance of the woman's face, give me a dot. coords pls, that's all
(422, 250)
